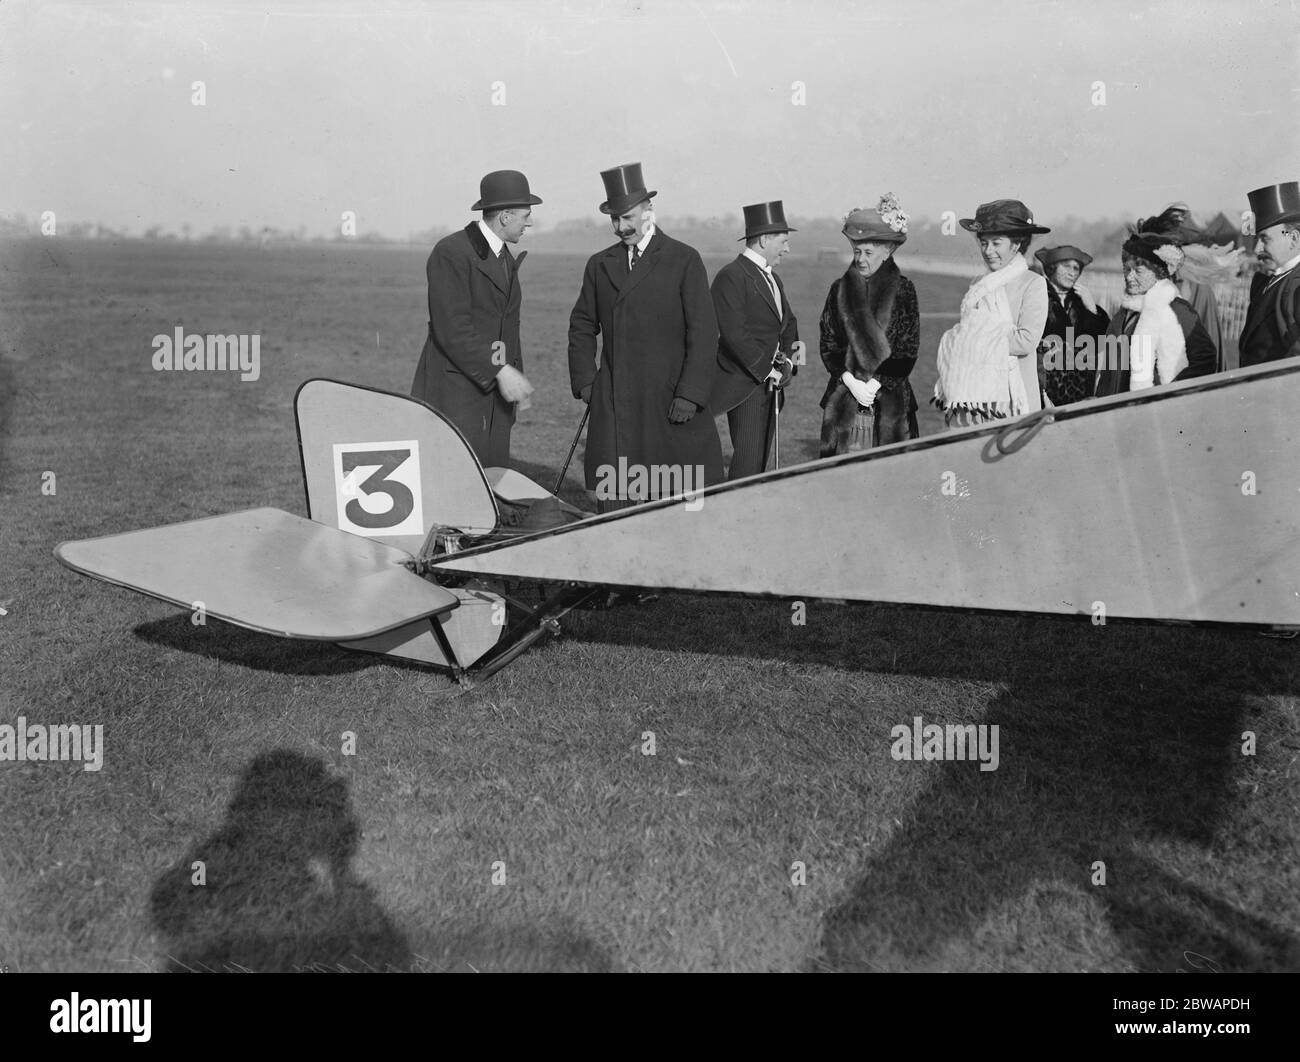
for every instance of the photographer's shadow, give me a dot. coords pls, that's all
(277, 893)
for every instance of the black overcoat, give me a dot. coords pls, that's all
(1272, 328)
(658, 341)
(474, 302)
(749, 331)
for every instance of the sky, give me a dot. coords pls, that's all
(394, 111)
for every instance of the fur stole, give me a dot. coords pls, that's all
(864, 307)
(1157, 348)
(976, 367)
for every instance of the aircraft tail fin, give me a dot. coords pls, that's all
(387, 466)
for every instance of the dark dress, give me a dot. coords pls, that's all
(1060, 381)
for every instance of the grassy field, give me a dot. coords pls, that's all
(1119, 744)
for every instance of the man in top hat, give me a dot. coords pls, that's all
(1072, 315)
(1272, 329)
(647, 298)
(757, 333)
(471, 368)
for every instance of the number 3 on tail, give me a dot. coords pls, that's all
(377, 488)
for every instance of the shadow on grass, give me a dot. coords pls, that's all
(1127, 759)
(279, 895)
(1119, 744)
(264, 652)
(278, 892)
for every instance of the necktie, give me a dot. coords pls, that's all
(771, 283)
(636, 257)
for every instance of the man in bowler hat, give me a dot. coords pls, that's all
(471, 368)
(757, 333)
(1272, 329)
(647, 298)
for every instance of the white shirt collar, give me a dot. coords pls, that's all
(494, 241)
(1287, 267)
(644, 242)
(757, 259)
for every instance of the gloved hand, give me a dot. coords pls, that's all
(682, 410)
(782, 370)
(865, 393)
(1089, 302)
(586, 394)
(513, 384)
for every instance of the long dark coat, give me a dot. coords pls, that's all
(473, 304)
(1272, 329)
(1064, 385)
(1201, 354)
(659, 341)
(749, 331)
(871, 328)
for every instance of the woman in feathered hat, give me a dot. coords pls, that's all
(1156, 337)
(870, 334)
(988, 364)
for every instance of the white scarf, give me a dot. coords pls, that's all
(976, 367)
(1157, 333)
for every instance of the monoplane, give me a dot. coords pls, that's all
(1177, 504)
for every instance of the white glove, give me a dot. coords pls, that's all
(1088, 301)
(513, 384)
(865, 393)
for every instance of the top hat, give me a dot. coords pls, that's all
(1008, 217)
(1275, 204)
(761, 219)
(1066, 252)
(504, 188)
(624, 188)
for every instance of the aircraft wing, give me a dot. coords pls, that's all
(1176, 503)
(269, 571)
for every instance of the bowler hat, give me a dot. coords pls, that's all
(1275, 204)
(504, 188)
(762, 219)
(1003, 216)
(624, 188)
(1066, 252)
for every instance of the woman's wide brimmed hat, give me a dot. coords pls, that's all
(1003, 217)
(504, 188)
(624, 188)
(1066, 252)
(763, 219)
(885, 224)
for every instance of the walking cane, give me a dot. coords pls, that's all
(776, 426)
(577, 435)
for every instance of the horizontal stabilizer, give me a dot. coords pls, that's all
(269, 571)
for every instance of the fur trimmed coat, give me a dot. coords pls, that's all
(1114, 379)
(870, 328)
